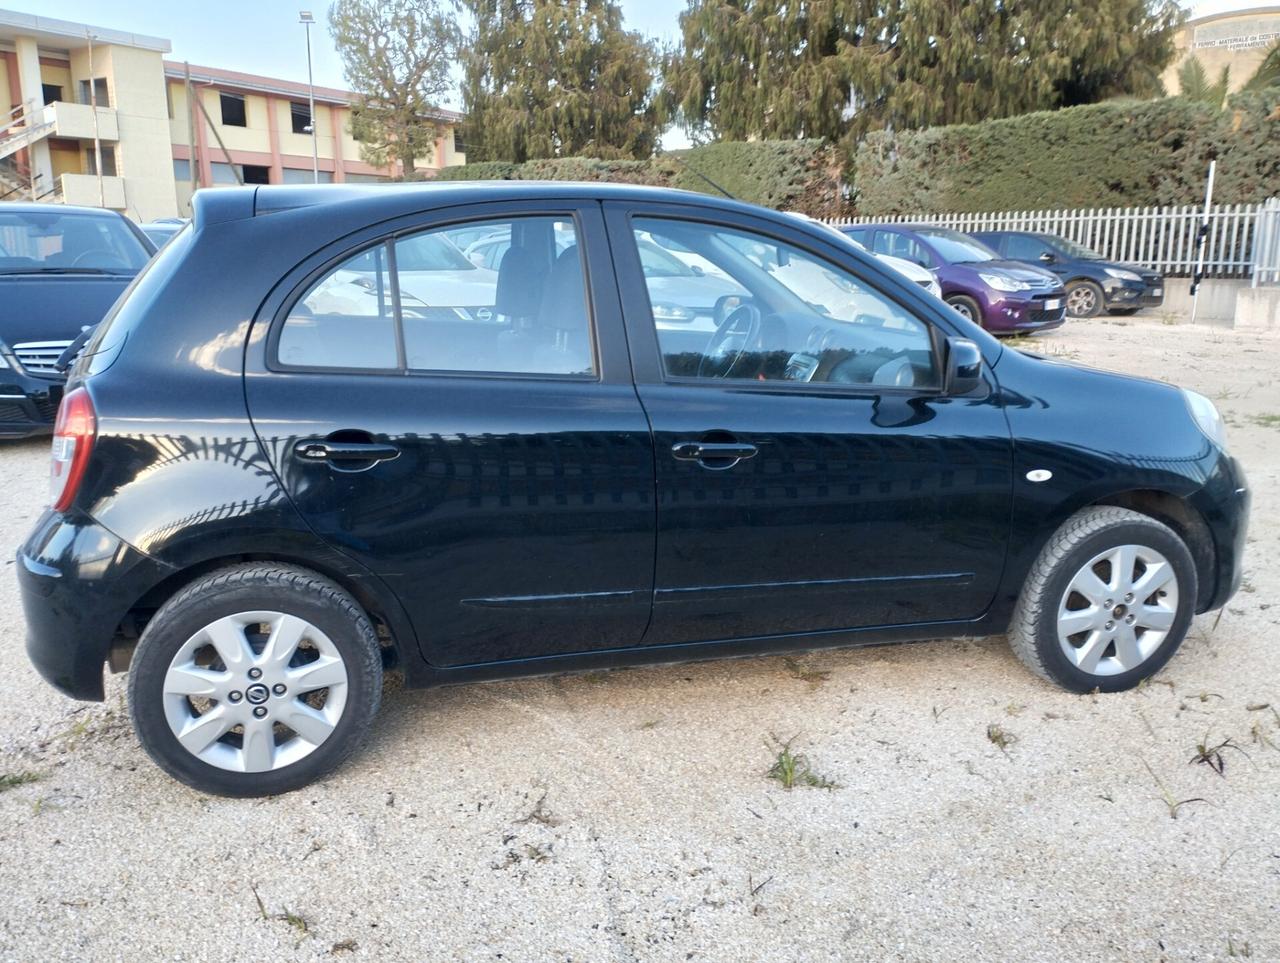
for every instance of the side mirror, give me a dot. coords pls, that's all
(725, 304)
(964, 367)
(697, 270)
(1047, 257)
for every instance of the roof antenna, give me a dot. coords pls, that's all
(696, 173)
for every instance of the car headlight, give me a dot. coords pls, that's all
(1205, 412)
(1002, 283)
(672, 312)
(1123, 275)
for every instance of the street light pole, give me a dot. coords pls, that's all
(306, 19)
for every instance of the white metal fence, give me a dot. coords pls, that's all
(1243, 239)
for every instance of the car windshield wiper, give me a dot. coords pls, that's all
(65, 270)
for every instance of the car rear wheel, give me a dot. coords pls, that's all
(966, 307)
(255, 680)
(1084, 299)
(1107, 602)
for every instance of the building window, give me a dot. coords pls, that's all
(232, 110)
(99, 92)
(182, 171)
(108, 161)
(256, 174)
(223, 173)
(299, 175)
(459, 145)
(301, 114)
(52, 93)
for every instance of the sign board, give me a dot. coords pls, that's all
(1243, 34)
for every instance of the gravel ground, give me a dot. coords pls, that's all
(627, 815)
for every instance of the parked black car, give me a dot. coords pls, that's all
(1093, 283)
(60, 270)
(283, 466)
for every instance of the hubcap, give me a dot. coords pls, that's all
(255, 691)
(1117, 610)
(1081, 301)
(963, 310)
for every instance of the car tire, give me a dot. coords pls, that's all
(966, 307)
(1113, 646)
(1084, 299)
(318, 668)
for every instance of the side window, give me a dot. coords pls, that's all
(1020, 247)
(773, 312)
(500, 296)
(346, 319)
(860, 235)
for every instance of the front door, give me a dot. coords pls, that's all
(469, 434)
(811, 474)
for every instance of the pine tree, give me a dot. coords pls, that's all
(557, 78)
(396, 55)
(800, 68)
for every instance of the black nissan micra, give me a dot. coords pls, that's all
(319, 440)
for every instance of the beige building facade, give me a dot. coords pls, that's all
(99, 117)
(1237, 38)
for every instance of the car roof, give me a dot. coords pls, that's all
(420, 196)
(36, 207)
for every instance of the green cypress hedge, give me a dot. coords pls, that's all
(1113, 154)
(793, 175)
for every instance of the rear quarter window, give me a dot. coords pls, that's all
(132, 306)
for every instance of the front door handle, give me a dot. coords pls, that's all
(713, 454)
(313, 449)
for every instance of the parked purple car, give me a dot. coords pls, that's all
(1005, 297)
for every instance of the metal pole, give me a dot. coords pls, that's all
(1203, 233)
(93, 106)
(307, 20)
(192, 160)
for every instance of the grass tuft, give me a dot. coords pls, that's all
(1001, 738)
(1212, 755)
(792, 768)
(12, 780)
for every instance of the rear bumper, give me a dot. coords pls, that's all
(78, 582)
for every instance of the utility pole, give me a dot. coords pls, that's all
(306, 19)
(192, 159)
(1201, 236)
(93, 106)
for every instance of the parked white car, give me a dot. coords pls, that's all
(909, 269)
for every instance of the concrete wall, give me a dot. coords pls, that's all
(1230, 303)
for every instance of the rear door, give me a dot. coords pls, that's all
(470, 435)
(811, 475)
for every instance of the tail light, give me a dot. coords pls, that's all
(73, 435)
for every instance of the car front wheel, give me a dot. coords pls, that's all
(1107, 602)
(255, 680)
(966, 307)
(1084, 299)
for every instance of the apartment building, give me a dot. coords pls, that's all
(99, 117)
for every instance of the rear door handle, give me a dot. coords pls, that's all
(345, 451)
(713, 454)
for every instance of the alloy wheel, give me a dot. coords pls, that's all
(1117, 610)
(255, 691)
(1081, 302)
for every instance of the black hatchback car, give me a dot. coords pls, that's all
(307, 448)
(1093, 283)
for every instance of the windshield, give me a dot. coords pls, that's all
(430, 252)
(657, 263)
(1072, 249)
(956, 248)
(70, 242)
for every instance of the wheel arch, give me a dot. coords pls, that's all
(1185, 520)
(394, 631)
